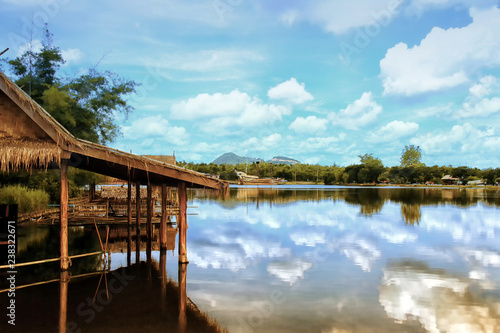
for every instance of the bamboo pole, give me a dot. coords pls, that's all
(182, 223)
(52, 260)
(64, 214)
(47, 282)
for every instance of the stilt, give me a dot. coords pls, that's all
(149, 220)
(129, 220)
(63, 301)
(137, 221)
(182, 222)
(92, 191)
(182, 297)
(164, 277)
(64, 214)
(163, 221)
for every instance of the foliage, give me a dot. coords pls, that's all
(410, 156)
(29, 200)
(85, 105)
(370, 170)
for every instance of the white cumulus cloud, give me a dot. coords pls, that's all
(484, 87)
(291, 91)
(72, 55)
(444, 58)
(154, 128)
(222, 112)
(309, 125)
(265, 143)
(394, 130)
(464, 138)
(358, 114)
(339, 17)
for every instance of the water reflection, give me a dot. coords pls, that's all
(301, 260)
(440, 301)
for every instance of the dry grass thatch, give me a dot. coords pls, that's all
(120, 192)
(17, 154)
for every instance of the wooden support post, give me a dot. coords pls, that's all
(164, 279)
(137, 221)
(149, 225)
(163, 221)
(182, 222)
(182, 297)
(107, 208)
(92, 191)
(129, 221)
(63, 301)
(64, 214)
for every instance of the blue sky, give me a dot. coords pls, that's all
(318, 81)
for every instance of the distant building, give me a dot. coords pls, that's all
(449, 180)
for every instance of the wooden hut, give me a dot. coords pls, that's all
(31, 138)
(449, 180)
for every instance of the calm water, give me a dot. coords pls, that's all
(322, 260)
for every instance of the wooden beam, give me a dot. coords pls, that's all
(154, 169)
(182, 223)
(163, 221)
(64, 215)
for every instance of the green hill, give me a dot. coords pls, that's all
(232, 158)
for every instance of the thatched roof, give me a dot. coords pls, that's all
(16, 154)
(32, 138)
(121, 192)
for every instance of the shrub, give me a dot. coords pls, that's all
(28, 200)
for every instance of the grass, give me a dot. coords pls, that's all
(28, 200)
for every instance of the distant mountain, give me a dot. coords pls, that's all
(232, 158)
(283, 160)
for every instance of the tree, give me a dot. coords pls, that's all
(36, 71)
(410, 156)
(85, 105)
(372, 168)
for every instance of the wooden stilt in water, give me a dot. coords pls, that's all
(137, 221)
(182, 297)
(64, 214)
(63, 301)
(164, 278)
(163, 221)
(182, 222)
(129, 222)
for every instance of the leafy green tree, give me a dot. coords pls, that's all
(371, 170)
(85, 105)
(36, 71)
(411, 156)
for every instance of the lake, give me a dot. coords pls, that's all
(324, 259)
